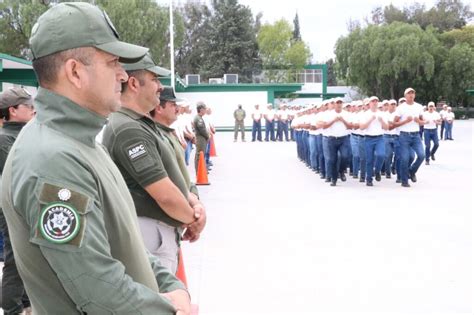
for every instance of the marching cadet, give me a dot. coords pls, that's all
(374, 124)
(73, 223)
(355, 136)
(392, 143)
(409, 115)
(283, 123)
(442, 113)
(433, 119)
(449, 119)
(337, 125)
(269, 116)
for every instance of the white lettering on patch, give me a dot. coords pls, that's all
(136, 151)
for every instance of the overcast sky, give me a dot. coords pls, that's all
(321, 22)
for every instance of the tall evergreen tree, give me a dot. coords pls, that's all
(296, 28)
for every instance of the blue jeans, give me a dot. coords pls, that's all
(283, 130)
(337, 147)
(362, 157)
(312, 152)
(269, 130)
(187, 152)
(355, 154)
(320, 155)
(375, 155)
(257, 130)
(326, 157)
(207, 153)
(410, 141)
(443, 126)
(392, 153)
(449, 131)
(430, 135)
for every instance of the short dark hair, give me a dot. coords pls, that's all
(47, 67)
(5, 113)
(199, 106)
(138, 74)
(153, 111)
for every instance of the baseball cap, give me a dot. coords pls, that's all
(373, 98)
(431, 104)
(408, 90)
(402, 100)
(15, 96)
(392, 101)
(168, 95)
(71, 25)
(147, 63)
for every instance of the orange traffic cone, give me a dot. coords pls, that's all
(180, 273)
(201, 178)
(212, 150)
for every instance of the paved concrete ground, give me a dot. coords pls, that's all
(280, 241)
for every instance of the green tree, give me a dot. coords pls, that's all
(384, 60)
(279, 51)
(17, 17)
(332, 79)
(231, 45)
(296, 28)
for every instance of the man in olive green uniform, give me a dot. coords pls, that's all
(148, 164)
(164, 114)
(16, 109)
(239, 115)
(202, 136)
(71, 219)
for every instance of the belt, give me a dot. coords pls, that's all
(391, 136)
(369, 136)
(410, 132)
(333, 137)
(357, 135)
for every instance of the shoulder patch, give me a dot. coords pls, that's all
(136, 151)
(62, 215)
(59, 222)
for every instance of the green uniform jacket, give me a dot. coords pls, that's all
(144, 156)
(72, 221)
(200, 127)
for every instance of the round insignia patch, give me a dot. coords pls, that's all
(59, 223)
(64, 194)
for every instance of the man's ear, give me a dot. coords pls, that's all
(75, 72)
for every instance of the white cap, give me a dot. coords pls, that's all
(408, 90)
(373, 98)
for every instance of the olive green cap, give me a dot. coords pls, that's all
(71, 25)
(15, 96)
(168, 95)
(147, 63)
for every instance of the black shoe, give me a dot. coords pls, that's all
(370, 184)
(388, 176)
(427, 162)
(355, 176)
(322, 176)
(405, 185)
(327, 180)
(333, 183)
(350, 173)
(378, 177)
(383, 172)
(398, 181)
(413, 177)
(394, 171)
(362, 180)
(316, 171)
(432, 157)
(343, 177)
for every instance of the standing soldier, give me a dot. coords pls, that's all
(202, 136)
(269, 124)
(433, 119)
(16, 109)
(72, 220)
(239, 116)
(442, 113)
(257, 124)
(449, 118)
